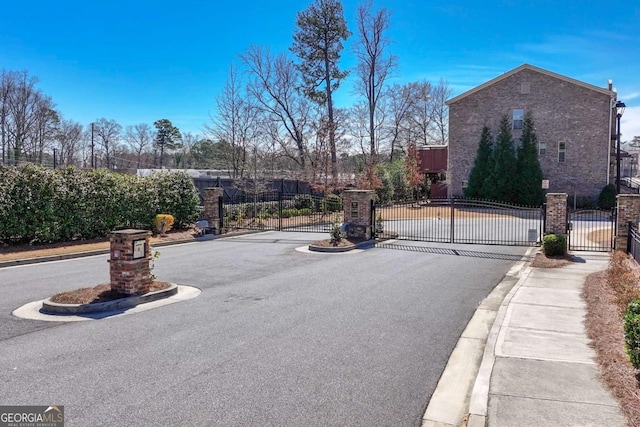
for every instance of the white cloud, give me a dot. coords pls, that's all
(630, 123)
(629, 96)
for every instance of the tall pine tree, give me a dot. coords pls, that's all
(529, 178)
(501, 184)
(482, 167)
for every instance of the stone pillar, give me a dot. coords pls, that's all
(556, 214)
(130, 263)
(212, 206)
(357, 213)
(628, 211)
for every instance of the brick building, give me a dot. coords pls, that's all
(573, 122)
(432, 162)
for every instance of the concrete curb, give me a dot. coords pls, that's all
(480, 394)
(50, 307)
(459, 386)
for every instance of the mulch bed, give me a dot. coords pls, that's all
(99, 293)
(540, 260)
(329, 243)
(604, 327)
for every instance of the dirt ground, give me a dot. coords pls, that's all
(11, 253)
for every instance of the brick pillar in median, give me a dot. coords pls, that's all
(357, 212)
(130, 261)
(628, 211)
(556, 214)
(212, 206)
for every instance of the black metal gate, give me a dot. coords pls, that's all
(591, 229)
(281, 211)
(463, 221)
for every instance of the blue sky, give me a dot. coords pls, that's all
(139, 61)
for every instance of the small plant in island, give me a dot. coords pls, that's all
(163, 223)
(337, 234)
(154, 255)
(554, 245)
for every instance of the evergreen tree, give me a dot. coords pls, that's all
(482, 166)
(317, 42)
(529, 178)
(501, 184)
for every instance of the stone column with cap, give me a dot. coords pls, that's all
(130, 261)
(357, 213)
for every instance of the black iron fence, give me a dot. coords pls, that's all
(461, 221)
(591, 229)
(633, 243)
(282, 211)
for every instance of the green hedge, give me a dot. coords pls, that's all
(632, 333)
(39, 205)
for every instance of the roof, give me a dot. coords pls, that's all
(532, 68)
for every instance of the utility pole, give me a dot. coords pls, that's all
(92, 158)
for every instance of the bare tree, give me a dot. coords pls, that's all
(69, 137)
(235, 123)
(44, 128)
(374, 65)
(108, 135)
(421, 113)
(440, 112)
(139, 138)
(399, 102)
(7, 84)
(274, 86)
(21, 106)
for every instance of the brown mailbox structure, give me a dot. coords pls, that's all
(130, 261)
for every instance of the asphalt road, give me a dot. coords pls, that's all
(276, 338)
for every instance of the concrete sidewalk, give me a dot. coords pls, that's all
(538, 368)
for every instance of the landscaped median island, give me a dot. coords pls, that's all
(103, 298)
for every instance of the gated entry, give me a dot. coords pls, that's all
(463, 221)
(281, 211)
(591, 229)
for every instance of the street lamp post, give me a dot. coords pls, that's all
(620, 106)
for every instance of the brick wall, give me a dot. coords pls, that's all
(212, 206)
(562, 112)
(628, 211)
(556, 214)
(130, 271)
(357, 212)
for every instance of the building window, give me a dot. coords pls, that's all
(562, 152)
(542, 148)
(518, 118)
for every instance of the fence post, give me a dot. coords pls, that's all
(452, 236)
(221, 212)
(213, 206)
(279, 210)
(629, 237)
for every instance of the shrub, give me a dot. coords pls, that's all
(331, 203)
(178, 196)
(554, 244)
(632, 332)
(288, 213)
(163, 223)
(303, 201)
(305, 211)
(607, 198)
